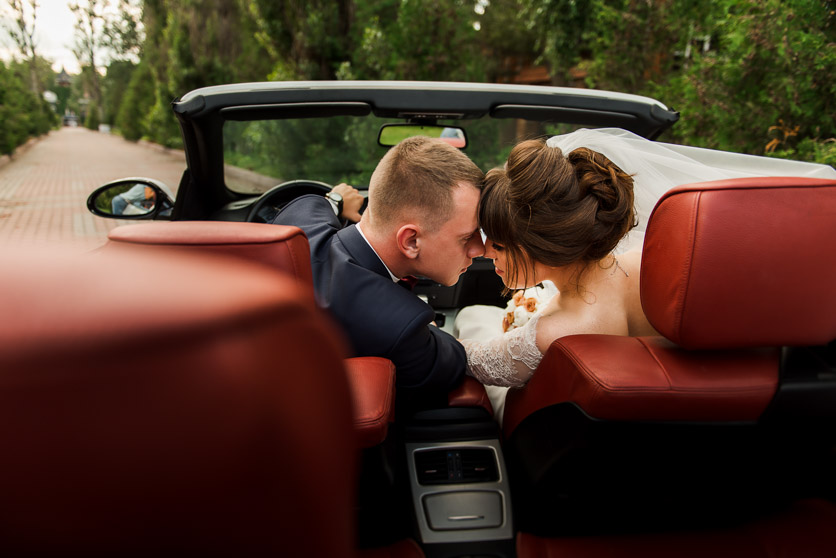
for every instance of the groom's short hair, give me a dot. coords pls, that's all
(420, 173)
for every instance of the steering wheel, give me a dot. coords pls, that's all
(273, 200)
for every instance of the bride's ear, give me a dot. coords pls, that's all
(407, 240)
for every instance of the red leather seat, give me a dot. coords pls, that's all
(284, 249)
(709, 421)
(170, 404)
(371, 380)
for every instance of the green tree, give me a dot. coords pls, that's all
(766, 86)
(158, 123)
(747, 75)
(22, 33)
(114, 88)
(304, 39)
(92, 121)
(416, 40)
(24, 114)
(191, 44)
(138, 100)
(123, 34)
(561, 29)
(505, 48)
(89, 39)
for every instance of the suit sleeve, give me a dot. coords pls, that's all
(428, 359)
(314, 215)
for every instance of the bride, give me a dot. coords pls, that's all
(562, 210)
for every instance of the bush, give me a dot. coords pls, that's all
(772, 68)
(22, 113)
(136, 104)
(814, 150)
(92, 121)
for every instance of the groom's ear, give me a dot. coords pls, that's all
(407, 239)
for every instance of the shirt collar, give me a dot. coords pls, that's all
(392, 275)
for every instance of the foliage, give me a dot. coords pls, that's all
(123, 34)
(562, 28)
(810, 149)
(773, 66)
(333, 150)
(137, 102)
(114, 88)
(739, 71)
(89, 39)
(207, 40)
(23, 113)
(22, 33)
(304, 39)
(635, 44)
(733, 68)
(91, 121)
(504, 48)
(416, 40)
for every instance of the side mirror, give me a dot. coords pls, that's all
(392, 134)
(131, 198)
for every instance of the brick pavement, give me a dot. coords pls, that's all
(43, 191)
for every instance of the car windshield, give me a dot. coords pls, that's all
(262, 153)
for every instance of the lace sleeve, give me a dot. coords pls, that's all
(508, 360)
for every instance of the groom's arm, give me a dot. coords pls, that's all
(429, 360)
(314, 215)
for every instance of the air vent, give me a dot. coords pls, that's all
(456, 465)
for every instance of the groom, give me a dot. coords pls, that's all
(421, 220)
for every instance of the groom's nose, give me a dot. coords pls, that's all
(475, 247)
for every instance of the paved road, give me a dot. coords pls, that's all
(43, 191)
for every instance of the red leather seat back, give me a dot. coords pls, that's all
(647, 379)
(649, 432)
(743, 263)
(167, 404)
(277, 246)
(285, 249)
(727, 266)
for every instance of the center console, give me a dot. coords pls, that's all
(459, 484)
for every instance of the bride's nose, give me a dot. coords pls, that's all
(489, 250)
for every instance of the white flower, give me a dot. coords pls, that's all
(526, 303)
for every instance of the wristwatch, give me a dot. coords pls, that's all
(336, 202)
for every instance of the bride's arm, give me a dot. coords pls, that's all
(508, 360)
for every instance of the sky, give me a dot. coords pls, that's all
(54, 30)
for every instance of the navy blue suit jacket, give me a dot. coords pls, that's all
(380, 317)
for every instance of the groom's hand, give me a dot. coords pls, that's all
(352, 201)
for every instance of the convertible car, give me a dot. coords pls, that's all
(182, 393)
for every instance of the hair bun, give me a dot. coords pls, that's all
(599, 177)
(602, 184)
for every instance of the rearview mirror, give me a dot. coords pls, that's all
(392, 134)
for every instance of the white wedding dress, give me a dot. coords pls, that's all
(510, 359)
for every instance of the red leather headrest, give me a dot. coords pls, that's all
(743, 263)
(278, 246)
(165, 403)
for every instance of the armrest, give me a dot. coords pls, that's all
(470, 393)
(371, 381)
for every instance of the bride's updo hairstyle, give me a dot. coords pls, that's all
(556, 210)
